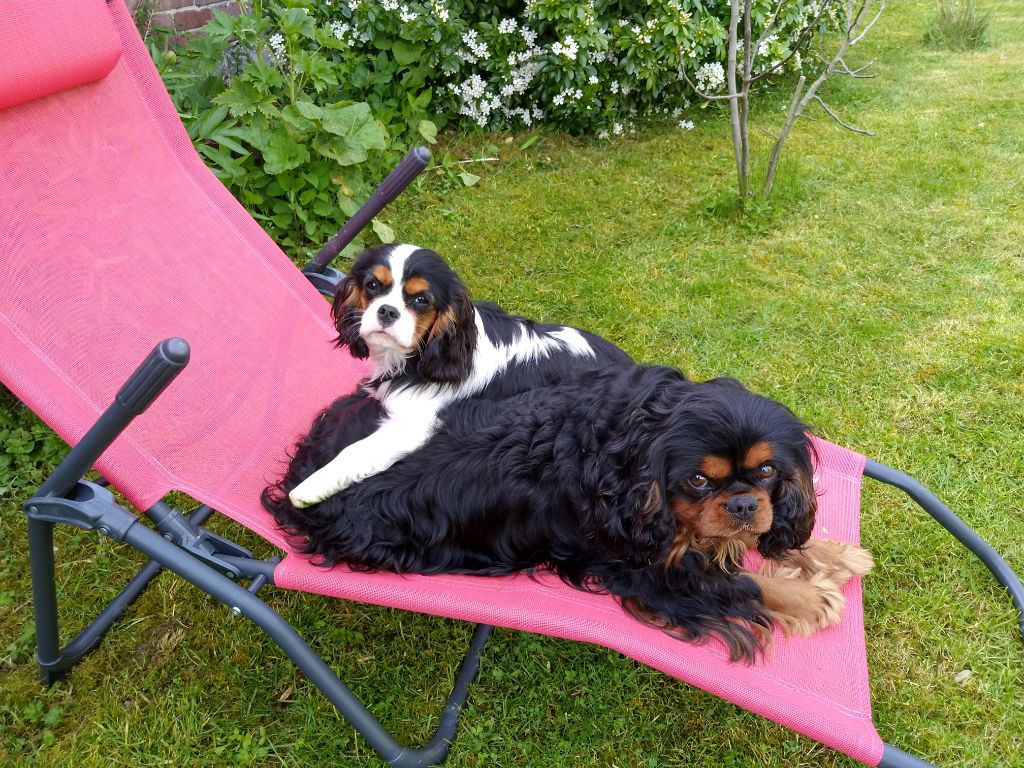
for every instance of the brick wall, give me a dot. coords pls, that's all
(182, 15)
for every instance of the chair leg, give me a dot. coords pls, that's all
(44, 600)
(243, 603)
(55, 661)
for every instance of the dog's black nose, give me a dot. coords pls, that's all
(741, 507)
(386, 315)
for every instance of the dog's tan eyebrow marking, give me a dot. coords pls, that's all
(758, 455)
(715, 468)
(382, 273)
(416, 285)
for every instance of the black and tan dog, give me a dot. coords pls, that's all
(637, 482)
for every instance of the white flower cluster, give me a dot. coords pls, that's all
(643, 34)
(477, 48)
(440, 10)
(569, 94)
(477, 102)
(348, 34)
(710, 76)
(569, 48)
(389, 5)
(508, 27)
(526, 116)
(765, 48)
(276, 43)
(617, 130)
(520, 79)
(686, 125)
(406, 15)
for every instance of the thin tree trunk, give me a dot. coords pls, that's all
(791, 116)
(734, 106)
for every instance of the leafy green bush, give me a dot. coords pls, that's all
(30, 452)
(271, 101)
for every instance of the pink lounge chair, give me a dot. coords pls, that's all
(117, 244)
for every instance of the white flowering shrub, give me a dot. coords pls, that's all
(585, 66)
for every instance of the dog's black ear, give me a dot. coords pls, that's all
(794, 506)
(447, 355)
(347, 312)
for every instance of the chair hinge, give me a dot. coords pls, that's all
(89, 506)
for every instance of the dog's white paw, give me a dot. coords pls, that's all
(311, 491)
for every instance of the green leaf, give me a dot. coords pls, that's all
(309, 110)
(229, 137)
(406, 53)
(223, 165)
(383, 231)
(317, 68)
(221, 26)
(53, 717)
(293, 117)
(347, 205)
(428, 131)
(324, 208)
(264, 77)
(469, 179)
(530, 141)
(344, 150)
(414, 78)
(355, 121)
(243, 98)
(297, 22)
(207, 121)
(291, 182)
(283, 154)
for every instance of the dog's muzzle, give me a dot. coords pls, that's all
(387, 315)
(743, 508)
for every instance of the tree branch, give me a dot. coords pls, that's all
(878, 15)
(791, 115)
(845, 69)
(708, 96)
(835, 117)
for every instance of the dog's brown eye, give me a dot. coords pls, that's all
(698, 482)
(421, 301)
(373, 284)
(767, 472)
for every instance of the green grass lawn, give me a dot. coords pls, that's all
(881, 295)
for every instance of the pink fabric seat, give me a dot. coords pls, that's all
(115, 236)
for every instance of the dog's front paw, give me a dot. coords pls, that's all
(322, 484)
(811, 604)
(834, 560)
(852, 561)
(309, 492)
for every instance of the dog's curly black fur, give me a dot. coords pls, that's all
(601, 480)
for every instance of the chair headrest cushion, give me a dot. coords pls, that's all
(47, 47)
